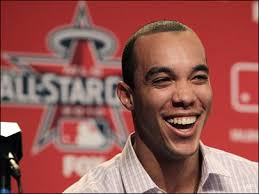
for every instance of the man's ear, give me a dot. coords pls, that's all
(124, 93)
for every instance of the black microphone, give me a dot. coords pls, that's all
(10, 155)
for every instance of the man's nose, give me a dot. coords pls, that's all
(183, 95)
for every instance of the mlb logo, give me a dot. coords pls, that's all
(82, 134)
(244, 87)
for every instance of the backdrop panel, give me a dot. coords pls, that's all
(60, 62)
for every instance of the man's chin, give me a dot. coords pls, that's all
(180, 152)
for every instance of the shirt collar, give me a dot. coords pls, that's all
(134, 176)
(211, 165)
(136, 179)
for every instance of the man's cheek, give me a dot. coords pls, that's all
(205, 95)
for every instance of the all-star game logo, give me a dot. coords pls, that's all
(75, 84)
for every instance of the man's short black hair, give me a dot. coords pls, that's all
(128, 62)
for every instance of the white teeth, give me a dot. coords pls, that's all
(182, 120)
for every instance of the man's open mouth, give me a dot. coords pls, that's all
(182, 122)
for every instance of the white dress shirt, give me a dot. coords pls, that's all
(222, 172)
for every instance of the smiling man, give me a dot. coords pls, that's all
(166, 87)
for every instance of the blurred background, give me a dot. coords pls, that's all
(60, 63)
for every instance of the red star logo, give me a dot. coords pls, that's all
(80, 52)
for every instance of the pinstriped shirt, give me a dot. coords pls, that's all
(222, 172)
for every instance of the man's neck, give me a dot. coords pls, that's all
(180, 175)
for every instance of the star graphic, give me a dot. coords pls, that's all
(78, 50)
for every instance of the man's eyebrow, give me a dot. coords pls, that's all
(156, 70)
(201, 67)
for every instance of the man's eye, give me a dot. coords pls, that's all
(161, 81)
(200, 78)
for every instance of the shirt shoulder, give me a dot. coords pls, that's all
(103, 178)
(232, 159)
(239, 174)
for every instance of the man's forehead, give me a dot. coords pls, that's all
(155, 42)
(159, 50)
(166, 34)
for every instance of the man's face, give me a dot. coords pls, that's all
(172, 94)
